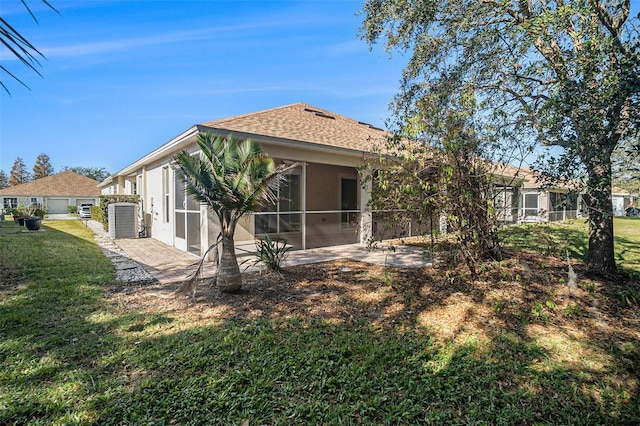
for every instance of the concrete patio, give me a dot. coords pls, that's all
(169, 265)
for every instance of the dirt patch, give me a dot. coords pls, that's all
(526, 289)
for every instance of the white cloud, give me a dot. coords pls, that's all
(134, 43)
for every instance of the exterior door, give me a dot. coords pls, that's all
(530, 204)
(349, 203)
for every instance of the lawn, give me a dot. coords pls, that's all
(562, 238)
(335, 343)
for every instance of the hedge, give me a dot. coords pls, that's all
(105, 200)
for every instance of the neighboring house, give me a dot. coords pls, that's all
(321, 203)
(549, 204)
(519, 198)
(54, 192)
(621, 200)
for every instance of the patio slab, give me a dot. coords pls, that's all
(169, 265)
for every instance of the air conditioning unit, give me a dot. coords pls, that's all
(123, 220)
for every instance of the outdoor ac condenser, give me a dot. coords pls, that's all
(123, 220)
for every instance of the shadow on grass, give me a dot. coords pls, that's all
(572, 236)
(57, 357)
(305, 348)
(313, 372)
(312, 351)
(549, 239)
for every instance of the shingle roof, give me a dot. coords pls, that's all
(619, 191)
(306, 123)
(66, 183)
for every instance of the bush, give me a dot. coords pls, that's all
(105, 200)
(96, 213)
(271, 253)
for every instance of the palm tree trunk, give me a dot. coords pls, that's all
(229, 279)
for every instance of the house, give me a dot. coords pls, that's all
(54, 193)
(321, 203)
(519, 198)
(621, 200)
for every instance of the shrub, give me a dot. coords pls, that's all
(271, 253)
(105, 200)
(96, 213)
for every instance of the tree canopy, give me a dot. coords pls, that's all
(42, 167)
(97, 173)
(626, 168)
(563, 72)
(4, 180)
(18, 174)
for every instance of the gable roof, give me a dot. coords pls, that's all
(66, 183)
(305, 123)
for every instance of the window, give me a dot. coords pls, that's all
(34, 200)
(165, 195)
(556, 201)
(286, 213)
(10, 203)
(559, 201)
(562, 205)
(349, 202)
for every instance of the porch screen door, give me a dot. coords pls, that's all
(187, 220)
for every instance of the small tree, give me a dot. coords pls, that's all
(437, 170)
(4, 180)
(19, 173)
(42, 167)
(232, 178)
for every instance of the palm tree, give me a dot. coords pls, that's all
(20, 47)
(232, 178)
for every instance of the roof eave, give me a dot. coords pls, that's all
(177, 143)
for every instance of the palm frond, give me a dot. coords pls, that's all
(20, 47)
(231, 177)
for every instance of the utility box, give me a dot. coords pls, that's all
(123, 220)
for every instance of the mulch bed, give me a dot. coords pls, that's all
(527, 288)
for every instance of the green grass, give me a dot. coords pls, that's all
(68, 356)
(558, 238)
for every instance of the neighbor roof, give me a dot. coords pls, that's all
(66, 183)
(305, 123)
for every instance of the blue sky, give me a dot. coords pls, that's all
(123, 77)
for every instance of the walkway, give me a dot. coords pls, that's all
(169, 265)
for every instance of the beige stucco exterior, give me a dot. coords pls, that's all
(319, 219)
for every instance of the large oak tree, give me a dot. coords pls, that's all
(566, 69)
